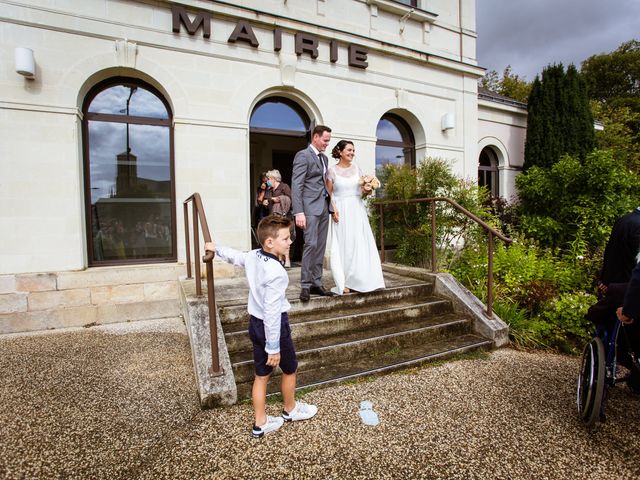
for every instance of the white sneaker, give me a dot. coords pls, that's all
(302, 411)
(273, 424)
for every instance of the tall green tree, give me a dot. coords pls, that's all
(619, 134)
(559, 117)
(614, 77)
(613, 81)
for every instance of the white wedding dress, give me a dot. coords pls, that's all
(355, 262)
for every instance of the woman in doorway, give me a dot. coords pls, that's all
(264, 192)
(279, 202)
(355, 263)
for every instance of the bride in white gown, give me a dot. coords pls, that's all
(355, 263)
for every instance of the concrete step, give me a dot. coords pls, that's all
(356, 322)
(234, 317)
(388, 361)
(368, 344)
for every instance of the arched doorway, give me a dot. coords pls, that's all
(279, 128)
(129, 174)
(488, 171)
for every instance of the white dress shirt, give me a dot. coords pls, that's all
(268, 282)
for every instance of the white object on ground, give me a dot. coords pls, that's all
(367, 415)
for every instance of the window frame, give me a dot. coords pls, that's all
(409, 143)
(489, 172)
(86, 162)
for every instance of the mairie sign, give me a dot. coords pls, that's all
(305, 43)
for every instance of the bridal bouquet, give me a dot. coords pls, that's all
(369, 183)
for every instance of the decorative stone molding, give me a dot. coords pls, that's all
(402, 98)
(288, 64)
(126, 53)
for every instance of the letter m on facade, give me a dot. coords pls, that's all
(180, 16)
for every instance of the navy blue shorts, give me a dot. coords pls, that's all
(288, 360)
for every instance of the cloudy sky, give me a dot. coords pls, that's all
(530, 34)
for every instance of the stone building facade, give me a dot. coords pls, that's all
(133, 105)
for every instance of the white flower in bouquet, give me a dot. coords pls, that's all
(369, 183)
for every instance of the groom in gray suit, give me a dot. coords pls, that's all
(312, 207)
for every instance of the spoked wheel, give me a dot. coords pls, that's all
(591, 381)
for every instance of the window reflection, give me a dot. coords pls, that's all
(115, 101)
(395, 145)
(278, 114)
(386, 130)
(130, 177)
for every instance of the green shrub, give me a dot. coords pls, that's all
(540, 279)
(408, 227)
(566, 313)
(524, 331)
(575, 200)
(540, 296)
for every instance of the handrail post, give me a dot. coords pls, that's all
(213, 324)
(382, 255)
(490, 279)
(200, 221)
(196, 250)
(434, 259)
(185, 210)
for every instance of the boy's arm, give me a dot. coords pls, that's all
(228, 254)
(274, 290)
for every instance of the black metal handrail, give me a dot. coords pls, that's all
(199, 215)
(434, 265)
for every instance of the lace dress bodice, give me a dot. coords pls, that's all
(346, 181)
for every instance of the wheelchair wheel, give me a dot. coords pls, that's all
(591, 381)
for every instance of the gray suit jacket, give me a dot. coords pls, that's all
(308, 189)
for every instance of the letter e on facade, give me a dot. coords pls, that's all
(358, 56)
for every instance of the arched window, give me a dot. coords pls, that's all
(488, 171)
(395, 144)
(128, 165)
(280, 116)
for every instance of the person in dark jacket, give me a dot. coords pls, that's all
(620, 257)
(629, 316)
(623, 249)
(629, 312)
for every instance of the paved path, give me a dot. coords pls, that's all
(119, 402)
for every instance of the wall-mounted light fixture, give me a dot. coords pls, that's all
(25, 63)
(448, 121)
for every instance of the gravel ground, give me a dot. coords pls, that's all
(120, 402)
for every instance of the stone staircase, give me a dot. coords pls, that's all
(339, 338)
(344, 337)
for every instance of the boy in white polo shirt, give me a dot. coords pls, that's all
(269, 328)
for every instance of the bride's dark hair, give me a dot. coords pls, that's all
(337, 150)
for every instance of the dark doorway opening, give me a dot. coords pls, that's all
(488, 171)
(279, 128)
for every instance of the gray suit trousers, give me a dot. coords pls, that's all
(315, 242)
